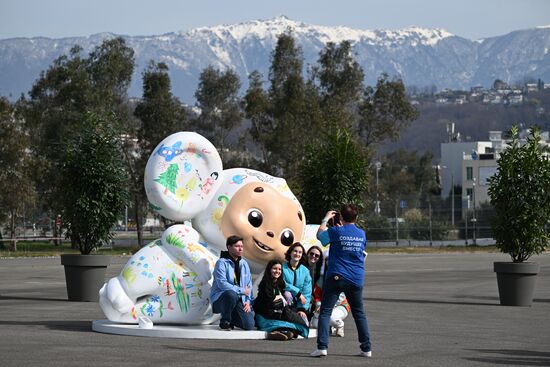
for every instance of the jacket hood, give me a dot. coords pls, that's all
(225, 255)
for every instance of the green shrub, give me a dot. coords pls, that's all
(94, 182)
(378, 229)
(520, 195)
(332, 173)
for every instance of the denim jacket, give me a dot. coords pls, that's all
(224, 279)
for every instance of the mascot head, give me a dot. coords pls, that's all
(184, 180)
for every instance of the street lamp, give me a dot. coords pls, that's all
(452, 199)
(377, 165)
(474, 219)
(466, 221)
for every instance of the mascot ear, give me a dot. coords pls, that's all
(182, 175)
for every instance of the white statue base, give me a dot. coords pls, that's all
(180, 331)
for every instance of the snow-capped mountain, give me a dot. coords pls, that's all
(422, 57)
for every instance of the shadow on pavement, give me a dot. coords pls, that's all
(241, 351)
(81, 326)
(513, 357)
(424, 301)
(32, 298)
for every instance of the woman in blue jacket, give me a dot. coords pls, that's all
(297, 279)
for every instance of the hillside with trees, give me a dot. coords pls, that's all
(318, 131)
(473, 121)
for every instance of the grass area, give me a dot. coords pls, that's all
(438, 249)
(47, 249)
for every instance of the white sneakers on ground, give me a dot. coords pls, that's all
(324, 353)
(319, 353)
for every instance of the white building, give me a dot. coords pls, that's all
(470, 164)
(452, 155)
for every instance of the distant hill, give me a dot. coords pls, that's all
(472, 120)
(422, 57)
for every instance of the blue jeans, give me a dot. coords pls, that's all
(231, 306)
(331, 291)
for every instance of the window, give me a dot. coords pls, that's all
(469, 173)
(470, 193)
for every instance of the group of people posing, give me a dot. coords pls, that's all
(307, 290)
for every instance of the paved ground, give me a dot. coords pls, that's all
(424, 310)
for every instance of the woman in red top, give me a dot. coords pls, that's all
(341, 309)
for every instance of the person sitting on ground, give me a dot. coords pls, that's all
(341, 309)
(273, 314)
(231, 293)
(298, 280)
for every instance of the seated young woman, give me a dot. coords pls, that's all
(341, 308)
(273, 314)
(298, 280)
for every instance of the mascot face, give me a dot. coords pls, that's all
(268, 221)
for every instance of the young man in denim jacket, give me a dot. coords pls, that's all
(231, 293)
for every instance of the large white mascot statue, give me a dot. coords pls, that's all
(169, 280)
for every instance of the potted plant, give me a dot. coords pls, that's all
(94, 181)
(520, 195)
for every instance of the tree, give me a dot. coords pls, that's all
(519, 194)
(285, 73)
(217, 97)
(161, 114)
(285, 115)
(293, 107)
(338, 160)
(94, 182)
(110, 67)
(425, 177)
(340, 81)
(16, 184)
(384, 112)
(61, 98)
(397, 180)
(257, 107)
(421, 227)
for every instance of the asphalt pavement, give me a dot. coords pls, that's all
(423, 310)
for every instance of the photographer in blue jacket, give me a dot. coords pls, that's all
(345, 273)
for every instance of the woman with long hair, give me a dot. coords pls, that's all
(273, 313)
(341, 309)
(298, 280)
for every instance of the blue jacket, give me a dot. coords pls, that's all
(224, 280)
(347, 252)
(298, 283)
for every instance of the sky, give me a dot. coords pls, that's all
(472, 19)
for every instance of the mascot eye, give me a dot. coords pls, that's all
(287, 237)
(255, 218)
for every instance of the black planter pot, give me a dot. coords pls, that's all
(84, 275)
(516, 282)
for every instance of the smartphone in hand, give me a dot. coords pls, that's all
(336, 220)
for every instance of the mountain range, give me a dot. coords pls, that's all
(421, 57)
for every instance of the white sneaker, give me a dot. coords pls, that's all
(319, 353)
(366, 354)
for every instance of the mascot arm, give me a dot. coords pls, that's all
(182, 242)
